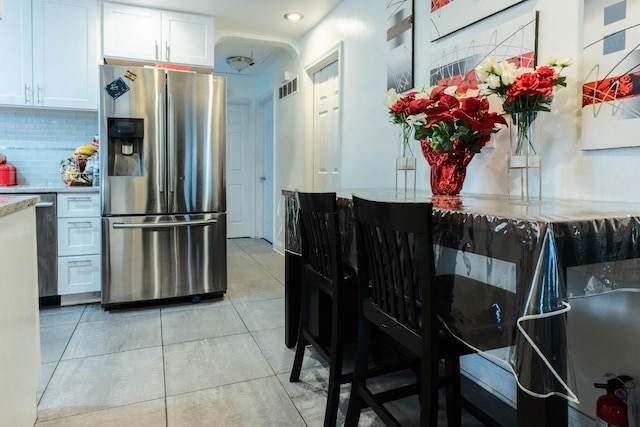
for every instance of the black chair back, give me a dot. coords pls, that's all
(324, 272)
(320, 239)
(399, 295)
(395, 262)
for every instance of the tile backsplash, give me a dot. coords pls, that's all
(36, 141)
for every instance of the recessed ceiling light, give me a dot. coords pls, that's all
(293, 16)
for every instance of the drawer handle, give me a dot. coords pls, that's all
(79, 198)
(44, 205)
(81, 262)
(81, 224)
(166, 224)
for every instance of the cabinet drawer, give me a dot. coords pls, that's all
(78, 236)
(78, 205)
(78, 274)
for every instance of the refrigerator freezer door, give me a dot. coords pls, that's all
(132, 93)
(196, 132)
(157, 257)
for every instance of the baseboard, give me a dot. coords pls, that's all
(499, 381)
(83, 298)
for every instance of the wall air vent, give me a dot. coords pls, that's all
(289, 88)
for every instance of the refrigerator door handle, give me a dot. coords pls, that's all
(171, 144)
(161, 137)
(166, 224)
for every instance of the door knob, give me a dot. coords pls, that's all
(263, 178)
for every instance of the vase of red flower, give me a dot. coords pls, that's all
(452, 126)
(399, 109)
(525, 92)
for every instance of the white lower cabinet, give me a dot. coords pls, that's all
(78, 274)
(79, 243)
(78, 236)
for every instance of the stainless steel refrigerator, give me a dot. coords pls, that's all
(162, 180)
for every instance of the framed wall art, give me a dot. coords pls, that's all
(514, 40)
(447, 16)
(611, 74)
(400, 45)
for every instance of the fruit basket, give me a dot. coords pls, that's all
(78, 169)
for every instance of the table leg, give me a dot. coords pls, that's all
(292, 280)
(536, 412)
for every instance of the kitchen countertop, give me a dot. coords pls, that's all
(13, 189)
(10, 204)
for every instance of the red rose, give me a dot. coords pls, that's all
(546, 71)
(526, 84)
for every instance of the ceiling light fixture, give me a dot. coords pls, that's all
(239, 63)
(293, 16)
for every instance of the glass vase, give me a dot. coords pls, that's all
(525, 147)
(405, 163)
(526, 151)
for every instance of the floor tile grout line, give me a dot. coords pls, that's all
(164, 374)
(58, 361)
(259, 263)
(254, 257)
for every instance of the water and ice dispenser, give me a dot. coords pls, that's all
(126, 146)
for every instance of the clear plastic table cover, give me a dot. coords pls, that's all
(503, 265)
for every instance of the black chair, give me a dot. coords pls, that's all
(325, 272)
(400, 296)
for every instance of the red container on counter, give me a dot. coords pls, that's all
(7, 174)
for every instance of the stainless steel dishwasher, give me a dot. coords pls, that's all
(47, 243)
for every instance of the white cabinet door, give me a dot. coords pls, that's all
(187, 38)
(15, 53)
(74, 205)
(78, 236)
(152, 35)
(65, 64)
(78, 274)
(131, 32)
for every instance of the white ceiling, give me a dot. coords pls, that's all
(257, 27)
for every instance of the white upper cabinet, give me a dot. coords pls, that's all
(152, 35)
(187, 38)
(48, 54)
(131, 32)
(65, 62)
(15, 53)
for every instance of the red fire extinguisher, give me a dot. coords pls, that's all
(611, 408)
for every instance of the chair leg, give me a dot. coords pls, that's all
(359, 375)
(301, 342)
(429, 390)
(454, 411)
(335, 366)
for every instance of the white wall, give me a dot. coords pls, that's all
(370, 141)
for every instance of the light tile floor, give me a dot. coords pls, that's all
(220, 362)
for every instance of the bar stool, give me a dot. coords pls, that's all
(399, 295)
(324, 271)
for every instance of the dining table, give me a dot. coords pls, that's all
(502, 264)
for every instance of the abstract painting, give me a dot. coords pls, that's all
(514, 41)
(400, 45)
(448, 16)
(611, 74)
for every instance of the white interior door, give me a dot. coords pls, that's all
(240, 174)
(267, 169)
(326, 128)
